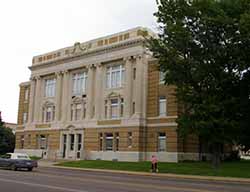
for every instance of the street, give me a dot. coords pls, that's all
(56, 180)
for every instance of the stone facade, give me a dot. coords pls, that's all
(114, 117)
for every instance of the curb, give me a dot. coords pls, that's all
(163, 175)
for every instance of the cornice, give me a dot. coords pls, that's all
(105, 50)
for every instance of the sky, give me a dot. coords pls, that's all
(29, 28)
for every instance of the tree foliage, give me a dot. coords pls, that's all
(203, 46)
(7, 139)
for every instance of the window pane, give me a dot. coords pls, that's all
(115, 76)
(162, 142)
(79, 83)
(72, 142)
(109, 141)
(114, 108)
(162, 106)
(50, 87)
(78, 112)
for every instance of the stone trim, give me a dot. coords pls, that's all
(109, 122)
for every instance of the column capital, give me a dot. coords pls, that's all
(138, 57)
(32, 78)
(58, 73)
(91, 66)
(129, 58)
(65, 72)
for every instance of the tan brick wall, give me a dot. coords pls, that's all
(53, 141)
(23, 105)
(155, 90)
(171, 138)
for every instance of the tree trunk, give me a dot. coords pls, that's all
(216, 155)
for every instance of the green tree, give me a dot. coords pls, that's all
(203, 47)
(7, 139)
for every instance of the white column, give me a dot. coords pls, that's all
(65, 96)
(58, 96)
(90, 90)
(31, 100)
(128, 87)
(37, 103)
(99, 101)
(139, 84)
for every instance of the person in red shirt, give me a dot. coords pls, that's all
(154, 162)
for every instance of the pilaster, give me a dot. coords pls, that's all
(37, 102)
(128, 87)
(31, 103)
(58, 96)
(99, 91)
(65, 96)
(90, 90)
(139, 86)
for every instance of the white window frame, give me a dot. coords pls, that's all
(78, 111)
(79, 83)
(111, 137)
(162, 106)
(161, 138)
(50, 87)
(49, 113)
(26, 94)
(25, 117)
(115, 76)
(116, 107)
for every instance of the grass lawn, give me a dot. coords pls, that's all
(35, 158)
(227, 169)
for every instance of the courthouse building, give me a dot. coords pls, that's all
(103, 99)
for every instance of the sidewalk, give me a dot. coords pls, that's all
(44, 163)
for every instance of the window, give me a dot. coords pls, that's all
(106, 109)
(22, 142)
(130, 139)
(109, 141)
(78, 112)
(79, 83)
(162, 106)
(162, 142)
(42, 142)
(72, 142)
(100, 142)
(122, 107)
(162, 77)
(114, 109)
(50, 87)
(115, 76)
(49, 113)
(133, 108)
(29, 140)
(134, 73)
(25, 117)
(79, 142)
(117, 141)
(26, 94)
